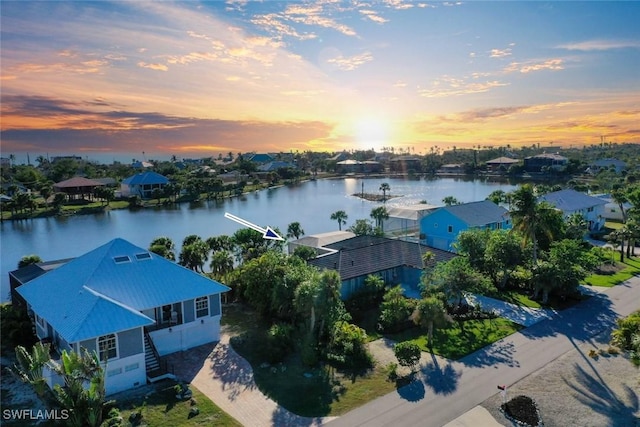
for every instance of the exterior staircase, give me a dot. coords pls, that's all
(156, 367)
(151, 358)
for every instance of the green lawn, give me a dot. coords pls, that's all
(625, 270)
(516, 297)
(454, 343)
(161, 408)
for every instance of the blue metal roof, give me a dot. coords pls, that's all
(146, 178)
(103, 291)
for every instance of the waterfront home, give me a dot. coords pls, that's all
(143, 184)
(404, 164)
(356, 166)
(501, 164)
(394, 261)
(441, 227)
(541, 161)
(405, 220)
(77, 187)
(571, 201)
(127, 304)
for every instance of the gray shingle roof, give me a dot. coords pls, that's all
(364, 255)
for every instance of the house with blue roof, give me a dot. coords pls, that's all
(143, 184)
(441, 227)
(128, 305)
(571, 201)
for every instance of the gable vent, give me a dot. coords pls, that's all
(121, 259)
(143, 256)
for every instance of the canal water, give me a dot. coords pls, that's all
(310, 203)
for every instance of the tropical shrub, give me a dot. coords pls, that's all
(347, 347)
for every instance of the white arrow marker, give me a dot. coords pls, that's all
(267, 233)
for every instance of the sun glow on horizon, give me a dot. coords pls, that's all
(372, 133)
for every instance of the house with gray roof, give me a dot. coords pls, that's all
(125, 303)
(571, 201)
(545, 161)
(143, 184)
(441, 227)
(394, 261)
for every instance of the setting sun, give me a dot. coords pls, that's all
(371, 133)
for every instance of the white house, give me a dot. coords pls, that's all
(612, 209)
(128, 305)
(571, 201)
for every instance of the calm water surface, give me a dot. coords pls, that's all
(310, 203)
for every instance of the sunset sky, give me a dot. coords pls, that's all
(111, 80)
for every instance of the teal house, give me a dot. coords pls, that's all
(441, 227)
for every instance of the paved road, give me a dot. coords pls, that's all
(451, 390)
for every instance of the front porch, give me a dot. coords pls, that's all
(166, 316)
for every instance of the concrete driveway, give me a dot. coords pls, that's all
(524, 316)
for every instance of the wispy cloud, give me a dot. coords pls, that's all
(451, 86)
(373, 16)
(156, 67)
(500, 53)
(351, 63)
(531, 66)
(590, 45)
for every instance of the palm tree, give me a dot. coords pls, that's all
(430, 313)
(450, 200)
(619, 197)
(380, 214)
(46, 191)
(529, 216)
(221, 263)
(295, 230)
(497, 196)
(164, 247)
(341, 217)
(384, 187)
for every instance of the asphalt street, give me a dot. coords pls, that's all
(443, 393)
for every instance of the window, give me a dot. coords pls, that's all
(590, 209)
(132, 367)
(143, 256)
(107, 347)
(202, 306)
(40, 321)
(113, 372)
(121, 259)
(450, 229)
